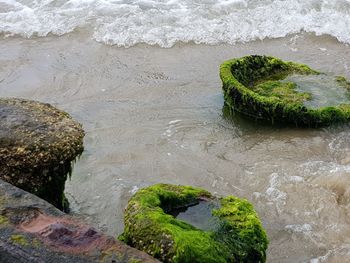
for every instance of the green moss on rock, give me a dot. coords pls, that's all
(282, 90)
(247, 237)
(37, 146)
(3, 220)
(148, 227)
(343, 82)
(251, 86)
(135, 260)
(20, 240)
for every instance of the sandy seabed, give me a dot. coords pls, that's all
(155, 115)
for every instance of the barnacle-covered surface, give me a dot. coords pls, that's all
(37, 145)
(252, 85)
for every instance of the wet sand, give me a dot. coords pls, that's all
(155, 115)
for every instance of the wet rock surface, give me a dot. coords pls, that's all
(32, 230)
(37, 145)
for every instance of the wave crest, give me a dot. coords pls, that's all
(166, 22)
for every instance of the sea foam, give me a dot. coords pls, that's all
(166, 22)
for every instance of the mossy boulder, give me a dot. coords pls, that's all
(252, 86)
(149, 226)
(37, 146)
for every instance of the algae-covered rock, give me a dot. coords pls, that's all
(151, 227)
(37, 145)
(256, 87)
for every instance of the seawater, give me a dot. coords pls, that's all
(325, 90)
(154, 115)
(199, 215)
(167, 22)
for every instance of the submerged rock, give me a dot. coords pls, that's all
(32, 230)
(37, 146)
(258, 87)
(150, 226)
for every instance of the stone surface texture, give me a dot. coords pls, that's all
(32, 230)
(37, 145)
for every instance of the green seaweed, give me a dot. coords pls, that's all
(248, 238)
(150, 228)
(282, 90)
(343, 82)
(241, 76)
(53, 190)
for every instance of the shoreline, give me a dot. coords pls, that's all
(148, 121)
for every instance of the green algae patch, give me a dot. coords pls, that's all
(37, 146)
(3, 220)
(258, 87)
(149, 226)
(20, 240)
(285, 91)
(36, 243)
(343, 82)
(247, 237)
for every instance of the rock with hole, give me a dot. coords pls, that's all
(188, 224)
(267, 88)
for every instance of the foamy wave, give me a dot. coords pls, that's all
(166, 22)
(305, 228)
(339, 254)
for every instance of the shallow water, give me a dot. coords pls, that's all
(154, 115)
(325, 90)
(199, 215)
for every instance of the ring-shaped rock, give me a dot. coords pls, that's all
(150, 227)
(37, 145)
(240, 75)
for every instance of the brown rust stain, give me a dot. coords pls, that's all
(38, 224)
